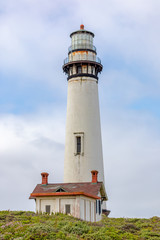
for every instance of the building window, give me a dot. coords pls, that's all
(48, 209)
(79, 69)
(96, 72)
(79, 143)
(98, 206)
(71, 71)
(67, 208)
(92, 70)
(60, 190)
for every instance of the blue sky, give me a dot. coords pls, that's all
(34, 39)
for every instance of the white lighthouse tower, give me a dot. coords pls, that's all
(83, 193)
(83, 146)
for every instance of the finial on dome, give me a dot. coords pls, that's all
(81, 26)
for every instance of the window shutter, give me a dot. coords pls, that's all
(99, 207)
(68, 208)
(48, 209)
(96, 206)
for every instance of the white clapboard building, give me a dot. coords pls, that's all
(83, 192)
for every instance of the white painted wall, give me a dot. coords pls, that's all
(64, 201)
(81, 207)
(92, 211)
(88, 210)
(83, 116)
(57, 204)
(98, 217)
(50, 202)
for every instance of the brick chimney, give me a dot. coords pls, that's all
(94, 176)
(44, 178)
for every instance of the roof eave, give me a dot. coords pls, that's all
(56, 194)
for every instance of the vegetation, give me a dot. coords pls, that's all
(21, 225)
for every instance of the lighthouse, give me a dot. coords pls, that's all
(83, 144)
(82, 194)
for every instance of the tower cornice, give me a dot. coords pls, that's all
(82, 31)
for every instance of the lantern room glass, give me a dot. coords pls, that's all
(82, 41)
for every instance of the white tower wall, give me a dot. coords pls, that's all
(83, 118)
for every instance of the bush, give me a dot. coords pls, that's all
(20, 225)
(78, 228)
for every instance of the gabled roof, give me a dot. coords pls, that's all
(84, 188)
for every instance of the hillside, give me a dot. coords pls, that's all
(28, 225)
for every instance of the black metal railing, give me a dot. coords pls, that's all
(86, 58)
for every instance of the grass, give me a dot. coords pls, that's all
(19, 225)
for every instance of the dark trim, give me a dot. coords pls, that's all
(82, 75)
(82, 49)
(81, 62)
(96, 206)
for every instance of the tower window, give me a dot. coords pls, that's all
(48, 209)
(67, 208)
(79, 69)
(71, 71)
(96, 72)
(78, 145)
(92, 70)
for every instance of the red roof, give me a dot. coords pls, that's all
(84, 188)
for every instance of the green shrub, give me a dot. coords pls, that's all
(40, 231)
(148, 234)
(78, 228)
(20, 225)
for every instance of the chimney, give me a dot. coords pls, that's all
(94, 176)
(44, 178)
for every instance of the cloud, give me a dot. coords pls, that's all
(29, 145)
(31, 41)
(131, 156)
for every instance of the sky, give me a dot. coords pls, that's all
(34, 41)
